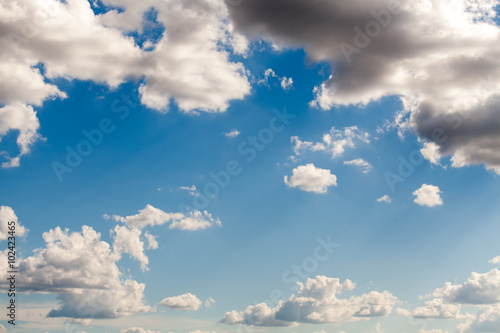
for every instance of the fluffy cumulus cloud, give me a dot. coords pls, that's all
(385, 198)
(361, 163)
(137, 330)
(311, 179)
(7, 215)
(317, 302)
(437, 309)
(83, 270)
(150, 216)
(334, 142)
(185, 302)
(486, 320)
(232, 133)
(448, 82)
(285, 82)
(188, 65)
(428, 195)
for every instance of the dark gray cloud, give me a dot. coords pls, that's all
(441, 56)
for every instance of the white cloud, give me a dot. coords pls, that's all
(150, 216)
(200, 331)
(232, 134)
(185, 302)
(129, 241)
(317, 302)
(7, 215)
(137, 330)
(385, 198)
(209, 302)
(255, 315)
(361, 163)
(311, 179)
(190, 189)
(495, 260)
(438, 309)
(431, 152)
(286, 83)
(478, 289)
(428, 195)
(378, 328)
(189, 65)
(83, 270)
(335, 142)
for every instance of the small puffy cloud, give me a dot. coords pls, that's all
(7, 215)
(495, 260)
(190, 189)
(137, 330)
(317, 302)
(361, 163)
(431, 152)
(478, 289)
(385, 198)
(150, 216)
(378, 328)
(184, 302)
(428, 195)
(209, 302)
(285, 82)
(335, 142)
(311, 179)
(232, 134)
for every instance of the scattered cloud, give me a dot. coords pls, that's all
(446, 81)
(286, 83)
(190, 189)
(385, 198)
(232, 134)
(361, 163)
(495, 260)
(428, 195)
(188, 66)
(335, 142)
(184, 302)
(209, 302)
(311, 179)
(150, 216)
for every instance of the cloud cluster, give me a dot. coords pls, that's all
(317, 302)
(440, 56)
(137, 330)
(285, 82)
(188, 64)
(83, 270)
(309, 178)
(335, 142)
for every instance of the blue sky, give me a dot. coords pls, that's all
(161, 134)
